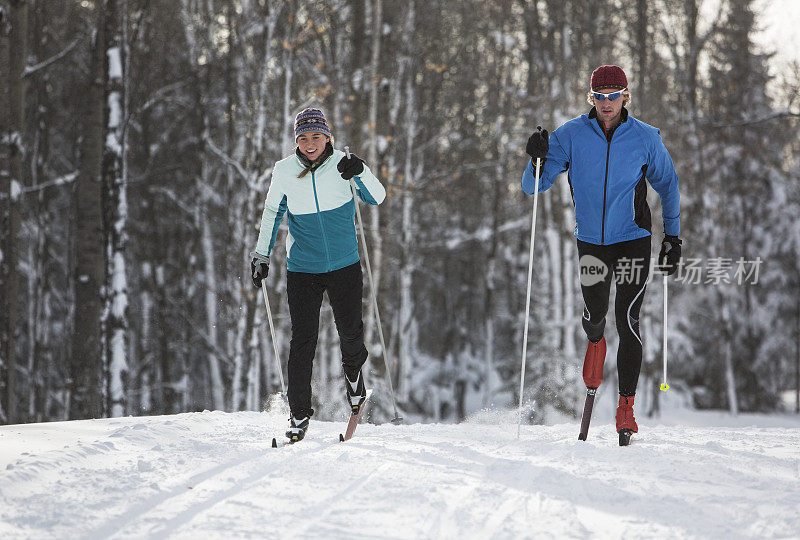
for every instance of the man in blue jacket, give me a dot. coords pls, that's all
(609, 155)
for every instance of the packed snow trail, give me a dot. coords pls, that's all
(214, 475)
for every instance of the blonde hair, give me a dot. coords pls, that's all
(626, 97)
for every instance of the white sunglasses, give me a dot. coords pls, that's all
(613, 96)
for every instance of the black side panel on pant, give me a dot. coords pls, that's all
(629, 263)
(345, 288)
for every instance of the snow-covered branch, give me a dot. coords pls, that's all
(30, 70)
(228, 160)
(482, 234)
(60, 181)
(159, 94)
(174, 198)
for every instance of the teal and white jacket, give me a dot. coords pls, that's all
(322, 233)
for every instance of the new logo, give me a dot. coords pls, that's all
(593, 270)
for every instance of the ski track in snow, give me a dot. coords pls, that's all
(215, 475)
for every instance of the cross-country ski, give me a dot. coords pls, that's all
(352, 423)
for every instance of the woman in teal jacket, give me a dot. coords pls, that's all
(312, 186)
(609, 156)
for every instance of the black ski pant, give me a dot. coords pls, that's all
(629, 264)
(345, 289)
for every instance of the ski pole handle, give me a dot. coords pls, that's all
(347, 151)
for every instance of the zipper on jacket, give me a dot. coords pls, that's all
(321, 226)
(605, 188)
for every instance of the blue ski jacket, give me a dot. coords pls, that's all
(322, 234)
(607, 177)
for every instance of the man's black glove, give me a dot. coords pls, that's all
(670, 254)
(350, 166)
(259, 268)
(538, 146)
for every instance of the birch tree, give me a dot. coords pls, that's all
(116, 210)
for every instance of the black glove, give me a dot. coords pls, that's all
(350, 166)
(670, 254)
(538, 146)
(259, 268)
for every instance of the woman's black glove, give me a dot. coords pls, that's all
(538, 146)
(259, 268)
(350, 166)
(670, 254)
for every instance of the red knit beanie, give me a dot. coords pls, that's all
(609, 77)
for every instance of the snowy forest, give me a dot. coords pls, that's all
(137, 138)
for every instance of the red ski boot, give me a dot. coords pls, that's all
(593, 363)
(626, 423)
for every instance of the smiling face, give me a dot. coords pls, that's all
(312, 144)
(608, 111)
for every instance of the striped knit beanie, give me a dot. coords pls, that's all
(609, 77)
(310, 120)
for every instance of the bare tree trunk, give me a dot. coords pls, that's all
(253, 379)
(204, 179)
(406, 331)
(150, 391)
(114, 179)
(215, 371)
(797, 359)
(640, 52)
(13, 55)
(6, 183)
(41, 360)
(166, 381)
(730, 376)
(288, 70)
(376, 246)
(502, 75)
(236, 147)
(87, 363)
(730, 380)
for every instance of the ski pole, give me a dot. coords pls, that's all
(528, 296)
(664, 385)
(397, 418)
(274, 340)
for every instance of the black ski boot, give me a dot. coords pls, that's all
(298, 427)
(356, 391)
(625, 437)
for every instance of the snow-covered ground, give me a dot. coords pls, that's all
(214, 475)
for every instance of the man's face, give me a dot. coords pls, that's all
(312, 144)
(608, 111)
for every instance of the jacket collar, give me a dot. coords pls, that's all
(592, 118)
(623, 115)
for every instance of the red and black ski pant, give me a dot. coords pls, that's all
(345, 290)
(629, 264)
